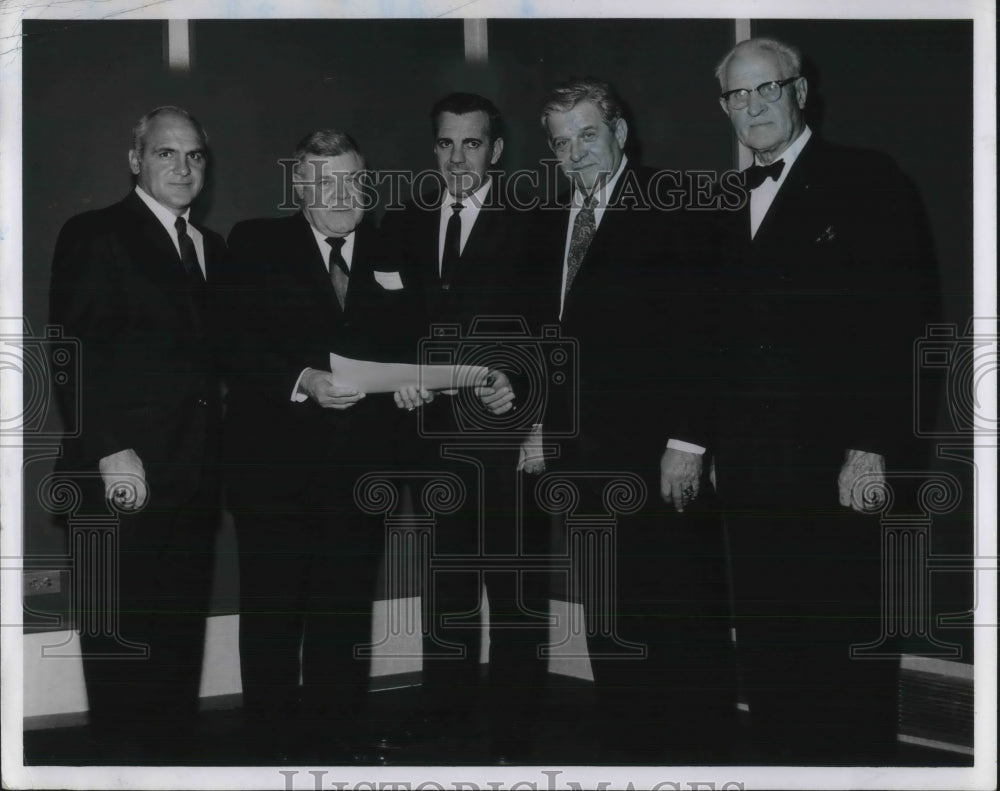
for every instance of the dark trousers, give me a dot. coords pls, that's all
(143, 703)
(307, 582)
(807, 588)
(484, 544)
(658, 632)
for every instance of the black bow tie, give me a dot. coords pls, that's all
(756, 174)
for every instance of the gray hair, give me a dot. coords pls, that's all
(788, 56)
(324, 143)
(567, 95)
(141, 128)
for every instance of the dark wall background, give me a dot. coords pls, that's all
(258, 86)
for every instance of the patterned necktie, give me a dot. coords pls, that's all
(452, 246)
(189, 256)
(756, 175)
(339, 273)
(584, 228)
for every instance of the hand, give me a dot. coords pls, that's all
(497, 395)
(124, 480)
(411, 397)
(861, 481)
(680, 475)
(321, 388)
(532, 458)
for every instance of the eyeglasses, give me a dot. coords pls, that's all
(768, 91)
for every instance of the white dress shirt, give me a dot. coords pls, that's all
(347, 251)
(763, 196)
(471, 204)
(167, 219)
(603, 195)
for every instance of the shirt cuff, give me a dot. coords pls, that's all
(689, 447)
(296, 395)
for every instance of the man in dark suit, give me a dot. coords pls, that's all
(459, 251)
(296, 441)
(620, 282)
(827, 271)
(129, 282)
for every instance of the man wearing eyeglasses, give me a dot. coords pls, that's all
(824, 282)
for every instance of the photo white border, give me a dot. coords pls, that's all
(15, 775)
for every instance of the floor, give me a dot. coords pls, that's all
(563, 736)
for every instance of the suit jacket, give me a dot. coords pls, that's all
(635, 311)
(818, 316)
(148, 366)
(488, 283)
(282, 316)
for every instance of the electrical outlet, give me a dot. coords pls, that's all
(39, 582)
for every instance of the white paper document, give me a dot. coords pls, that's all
(371, 377)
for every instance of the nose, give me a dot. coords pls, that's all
(577, 150)
(182, 166)
(457, 154)
(757, 105)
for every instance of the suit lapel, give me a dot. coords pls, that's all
(165, 266)
(305, 258)
(788, 200)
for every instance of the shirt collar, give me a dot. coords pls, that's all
(790, 154)
(605, 191)
(166, 217)
(346, 251)
(477, 199)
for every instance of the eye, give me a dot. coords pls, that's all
(197, 156)
(473, 144)
(589, 136)
(164, 154)
(444, 144)
(560, 144)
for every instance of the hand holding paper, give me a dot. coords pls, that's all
(327, 391)
(497, 394)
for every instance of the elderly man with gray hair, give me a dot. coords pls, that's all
(296, 441)
(826, 273)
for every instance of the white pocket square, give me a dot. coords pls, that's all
(390, 281)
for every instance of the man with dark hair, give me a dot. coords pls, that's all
(296, 441)
(129, 282)
(810, 416)
(459, 263)
(622, 285)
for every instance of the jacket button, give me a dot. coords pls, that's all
(202, 402)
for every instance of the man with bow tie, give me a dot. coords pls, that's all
(131, 283)
(296, 440)
(826, 274)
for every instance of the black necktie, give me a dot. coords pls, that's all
(189, 256)
(755, 175)
(452, 246)
(339, 273)
(584, 228)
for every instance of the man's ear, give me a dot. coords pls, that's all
(133, 162)
(801, 89)
(621, 132)
(725, 108)
(497, 150)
